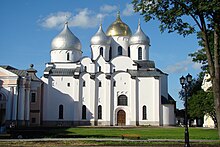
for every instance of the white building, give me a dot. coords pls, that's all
(20, 97)
(118, 85)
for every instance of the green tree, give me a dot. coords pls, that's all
(175, 16)
(200, 102)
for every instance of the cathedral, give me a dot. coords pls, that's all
(117, 86)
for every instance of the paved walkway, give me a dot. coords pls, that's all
(103, 139)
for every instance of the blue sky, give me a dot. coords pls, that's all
(28, 26)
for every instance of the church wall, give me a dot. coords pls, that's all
(96, 51)
(149, 96)
(168, 115)
(85, 99)
(101, 98)
(134, 52)
(59, 93)
(119, 41)
(65, 55)
(122, 88)
(90, 66)
(116, 64)
(65, 65)
(134, 99)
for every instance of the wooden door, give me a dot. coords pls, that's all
(121, 118)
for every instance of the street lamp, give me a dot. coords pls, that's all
(186, 82)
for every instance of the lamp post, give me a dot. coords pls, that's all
(186, 82)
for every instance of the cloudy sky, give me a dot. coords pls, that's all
(28, 26)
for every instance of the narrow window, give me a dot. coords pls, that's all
(68, 56)
(110, 53)
(114, 83)
(68, 84)
(85, 68)
(122, 100)
(129, 52)
(33, 120)
(119, 50)
(84, 83)
(100, 84)
(144, 117)
(139, 53)
(60, 111)
(99, 112)
(101, 51)
(33, 97)
(83, 112)
(100, 68)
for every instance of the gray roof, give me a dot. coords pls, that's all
(145, 64)
(22, 73)
(168, 100)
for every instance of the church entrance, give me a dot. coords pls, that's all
(121, 116)
(2, 109)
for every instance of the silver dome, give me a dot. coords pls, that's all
(139, 37)
(100, 38)
(66, 40)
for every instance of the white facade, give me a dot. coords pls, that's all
(20, 97)
(118, 85)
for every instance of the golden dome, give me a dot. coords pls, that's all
(118, 28)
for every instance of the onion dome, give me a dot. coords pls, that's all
(118, 28)
(66, 40)
(139, 37)
(100, 38)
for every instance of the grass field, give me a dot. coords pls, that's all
(141, 132)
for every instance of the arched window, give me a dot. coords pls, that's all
(110, 53)
(139, 53)
(84, 83)
(144, 111)
(101, 51)
(83, 112)
(100, 84)
(122, 100)
(68, 56)
(60, 111)
(119, 50)
(99, 112)
(85, 68)
(129, 52)
(114, 83)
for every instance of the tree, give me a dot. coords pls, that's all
(205, 15)
(200, 102)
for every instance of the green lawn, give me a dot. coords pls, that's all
(142, 132)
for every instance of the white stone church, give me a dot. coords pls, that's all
(117, 86)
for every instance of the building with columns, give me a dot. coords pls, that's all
(118, 86)
(20, 97)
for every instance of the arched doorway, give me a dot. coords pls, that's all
(121, 118)
(2, 109)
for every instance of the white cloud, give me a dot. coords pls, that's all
(108, 8)
(182, 66)
(55, 19)
(128, 11)
(84, 18)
